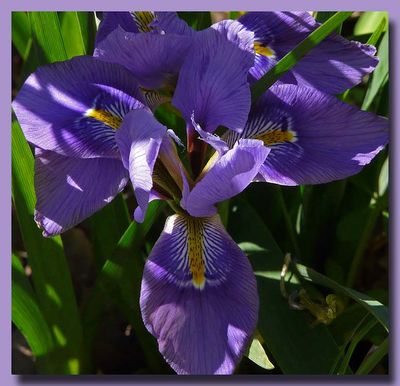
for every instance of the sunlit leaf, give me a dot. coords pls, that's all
(258, 355)
(381, 74)
(51, 276)
(367, 22)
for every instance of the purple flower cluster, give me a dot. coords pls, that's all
(91, 122)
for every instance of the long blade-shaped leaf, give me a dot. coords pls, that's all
(47, 37)
(51, 275)
(380, 75)
(373, 359)
(28, 318)
(287, 333)
(78, 31)
(71, 33)
(197, 20)
(21, 33)
(291, 58)
(377, 309)
(106, 228)
(121, 275)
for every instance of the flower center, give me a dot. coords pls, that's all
(143, 19)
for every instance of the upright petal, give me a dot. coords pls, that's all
(111, 21)
(229, 176)
(335, 65)
(212, 83)
(171, 23)
(153, 59)
(236, 33)
(314, 137)
(69, 190)
(199, 296)
(139, 141)
(74, 107)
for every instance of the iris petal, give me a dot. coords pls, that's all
(153, 59)
(139, 141)
(72, 107)
(335, 65)
(212, 89)
(111, 21)
(318, 138)
(229, 176)
(199, 296)
(171, 23)
(69, 190)
(143, 142)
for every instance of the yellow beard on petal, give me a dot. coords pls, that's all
(143, 19)
(273, 137)
(104, 117)
(195, 251)
(260, 49)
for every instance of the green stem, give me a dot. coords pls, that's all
(288, 222)
(362, 245)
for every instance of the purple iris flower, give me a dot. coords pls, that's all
(333, 66)
(90, 123)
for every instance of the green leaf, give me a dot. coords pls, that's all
(51, 276)
(374, 307)
(21, 33)
(383, 180)
(359, 335)
(287, 333)
(78, 32)
(381, 74)
(235, 14)
(106, 228)
(71, 31)
(196, 20)
(373, 39)
(323, 16)
(367, 22)
(258, 356)
(370, 362)
(121, 277)
(28, 318)
(47, 37)
(87, 21)
(321, 204)
(292, 57)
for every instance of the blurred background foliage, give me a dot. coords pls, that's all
(323, 308)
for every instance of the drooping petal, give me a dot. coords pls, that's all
(229, 176)
(69, 190)
(199, 296)
(153, 59)
(212, 82)
(335, 65)
(74, 107)
(314, 137)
